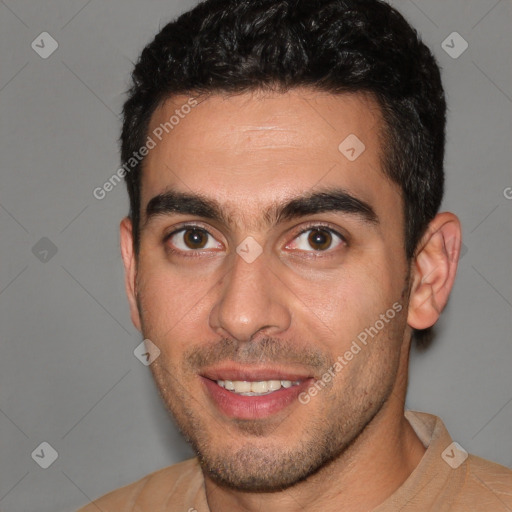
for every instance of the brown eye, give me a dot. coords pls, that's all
(191, 239)
(320, 239)
(195, 238)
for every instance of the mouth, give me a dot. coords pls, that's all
(250, 395)
(256, 388)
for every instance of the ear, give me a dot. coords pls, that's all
(130, 269)
(434, 269)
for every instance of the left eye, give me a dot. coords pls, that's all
(318, 239)
(187, 239)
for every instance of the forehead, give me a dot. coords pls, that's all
(255, 148)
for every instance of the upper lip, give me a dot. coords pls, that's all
(252, 373)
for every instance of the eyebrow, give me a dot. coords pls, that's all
(330, 200)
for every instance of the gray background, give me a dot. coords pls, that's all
(68, 375)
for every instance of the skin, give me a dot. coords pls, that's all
(294, 307)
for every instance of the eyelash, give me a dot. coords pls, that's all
(186, 254)
(196, 253)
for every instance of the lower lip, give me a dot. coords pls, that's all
(252, 407)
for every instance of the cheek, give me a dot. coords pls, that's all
(371, 358)
(165, 300)
(350, 302)
(174, 305)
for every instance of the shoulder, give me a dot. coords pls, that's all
(179, 483)
(487, 486)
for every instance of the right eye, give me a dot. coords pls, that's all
(192, 239)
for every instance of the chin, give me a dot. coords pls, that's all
(265, 468)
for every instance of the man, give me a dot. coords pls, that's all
(283, 245)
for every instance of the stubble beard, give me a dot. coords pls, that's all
(260, 466)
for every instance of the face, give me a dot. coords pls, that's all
(272, 277)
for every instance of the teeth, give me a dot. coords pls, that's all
(242, 386)
(264, 387)
(273, 385)
(256, 387)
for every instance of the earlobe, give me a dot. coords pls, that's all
(130, 269)
(434, 269)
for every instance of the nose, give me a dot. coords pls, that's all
(251, 299)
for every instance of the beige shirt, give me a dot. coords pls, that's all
(445, 480)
